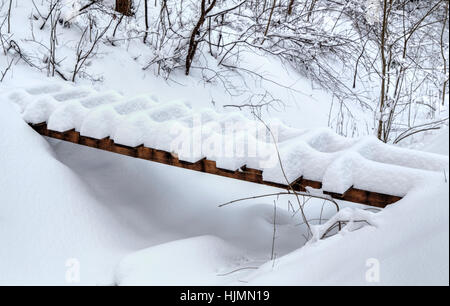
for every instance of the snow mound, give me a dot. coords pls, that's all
(231, 139)
(61, 203)
(48, 215)
(193, 261)
(405, 244)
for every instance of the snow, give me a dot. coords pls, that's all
(409, 240)
(116, 217)
(39, 110)
(173, 126)
(440, 143)
(70, 9)
(184, 255)
(345, 215)
(67, 117)
(133, 222)
(363, 163)
(34, 250)
(100, 123)
(61, 201)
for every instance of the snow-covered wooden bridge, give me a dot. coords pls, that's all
(231, 145)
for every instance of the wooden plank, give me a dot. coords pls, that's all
(208, 166)
(252, 175)
(88, 142)
(72, 136)
(122, 150)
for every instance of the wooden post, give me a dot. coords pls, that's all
(124, 7)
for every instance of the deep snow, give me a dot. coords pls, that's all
(129, 221)
(230, 139)
(409, 240)
(60, 202)
(63, 201)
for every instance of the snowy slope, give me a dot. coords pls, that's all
(63, 201)
(128, 221)
(119, 67)
(440, 143)
(48, 215)
(98, 208)
(406, 244)
(409, 240)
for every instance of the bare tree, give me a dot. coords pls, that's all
(4, 72)
(270, 19)
(146, 20)
(392, 63)
(290, 7)
(384, 32)
(9, 16)
(86, 50)
(195, 34)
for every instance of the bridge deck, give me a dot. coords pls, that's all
(228, 143)
(208, 166)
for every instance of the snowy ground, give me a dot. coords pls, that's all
(125, 221)
(66, 202)
(106, 206)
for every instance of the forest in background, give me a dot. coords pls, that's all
(387, 57)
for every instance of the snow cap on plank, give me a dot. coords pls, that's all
(40, 110)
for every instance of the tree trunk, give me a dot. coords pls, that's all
(146, 20)
(269, 21)
(124, 7)
(194, 40)
(383, 69)
(291, 7)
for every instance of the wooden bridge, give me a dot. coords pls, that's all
(208, 166)
(363, 171)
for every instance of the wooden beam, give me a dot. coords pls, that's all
(209, 166)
